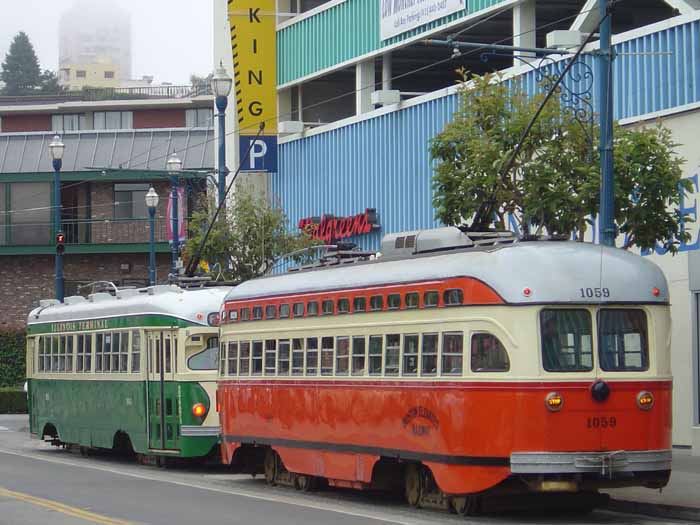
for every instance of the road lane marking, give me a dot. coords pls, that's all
(276, 498)
(4, 429)
(62, 508)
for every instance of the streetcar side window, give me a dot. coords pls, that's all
(257, 361)
(69, 353)
(232, 358)
(376, 303)
(359, 304)
(298, 309)
(430, 299)
(311, 356)
(99, 348)
(488, 354)
(40, 354)
(343, 305)
(245, 314)
(135, 351)
(452, 353)
(297, 357)
(116, 348)
(412, 300)
(326, 356)
(622, 340)
(205, 359)
(222, 359)
(391, 358)
(375, 355)
(566, 340)
(284, 311)
(410, 355)
(54, 353)
(312, 308)
(270, 356)
(270, 311)
(62, 353)
(393, 301)
(342, 358)
(244, 358)
(327, 307)
(283, 358)
(257, 313)
(358, 356)
(453, 297)
(429, 354)
(124, 353)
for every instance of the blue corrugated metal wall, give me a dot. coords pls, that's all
(383, 162)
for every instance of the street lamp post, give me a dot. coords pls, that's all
(152, 204)
(221, 86)
(56, 148)
(174, 166)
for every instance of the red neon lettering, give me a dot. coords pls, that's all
(331, 228)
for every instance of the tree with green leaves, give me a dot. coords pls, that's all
(247, 240)
(552, 185)
(20, 70)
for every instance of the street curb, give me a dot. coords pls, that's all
(656, 510)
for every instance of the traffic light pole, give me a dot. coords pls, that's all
(57, 163)
(606, 227)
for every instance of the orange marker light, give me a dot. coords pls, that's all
(645, 400)
(199, 410)
(554, 401)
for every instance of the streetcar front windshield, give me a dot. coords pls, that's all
(622, 340)
(207, 359)
(566, 340)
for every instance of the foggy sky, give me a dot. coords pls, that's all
(171, 38)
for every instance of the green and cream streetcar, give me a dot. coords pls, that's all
(133, 370)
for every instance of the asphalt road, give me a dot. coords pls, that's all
(41, 484)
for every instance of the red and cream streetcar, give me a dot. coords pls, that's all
(455, 363)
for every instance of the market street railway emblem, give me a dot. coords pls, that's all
(420, 420)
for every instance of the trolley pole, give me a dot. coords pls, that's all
(606, 227)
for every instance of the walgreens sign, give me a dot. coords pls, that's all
(329, 228)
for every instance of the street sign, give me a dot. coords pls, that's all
(263, 153)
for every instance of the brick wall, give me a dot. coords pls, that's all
(24, 123)
(159, 118)
(25, 279)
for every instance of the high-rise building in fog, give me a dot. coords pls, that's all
(94, 45)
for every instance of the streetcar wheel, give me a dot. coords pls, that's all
(270, 466)
(413, 485)
(303, 483)
(466, 505)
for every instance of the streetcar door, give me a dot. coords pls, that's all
(162, 391)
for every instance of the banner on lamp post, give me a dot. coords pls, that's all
(181, 207)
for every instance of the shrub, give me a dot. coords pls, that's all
(13, 401)
(12, 359)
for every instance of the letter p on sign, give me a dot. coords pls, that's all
(262, 156)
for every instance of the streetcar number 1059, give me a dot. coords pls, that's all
(602, 422)
(590, 293)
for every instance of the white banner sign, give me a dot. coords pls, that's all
(399, 16)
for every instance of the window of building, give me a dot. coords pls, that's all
(80, 73)
(430, 299)
(113, 120)
(376, 303)
(358, 356)
(566, 340)
(488, 354)
(297, 357)
(109, 74)
(199, 118)
(452, 350)
(326, 356)
(30, 208)
(312, 308)
(135, 351)
(130, 201)
(270, 356)
(312, 356)
(284, 311)
(429, 354)
(375, 355)
(393, 301)
(257, 361)
(244, 358)
(68, 122)
(342, 357)
(391, 358)
(412, 300)
(271, 311)
(298, 309)
(343, 305)
(359, 304)
(257, 313)
(622, 340)
(453, 297)
(410, 354)
(283, 358)
(327, 307)
(232, 357)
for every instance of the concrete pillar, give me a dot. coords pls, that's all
(387, 73)
(284, 105)
(524, 24)
(364, 85)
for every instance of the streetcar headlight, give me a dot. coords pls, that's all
(213, 319)
(554, 401)
(645, 400)
(199, 410)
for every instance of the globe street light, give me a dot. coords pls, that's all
(174, 167)
(221, 84)
(152, 203)
(56, 149)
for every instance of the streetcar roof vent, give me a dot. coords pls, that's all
(74, 299)
(100, 296)
(45, 303)
(404, 244)
(125, 294)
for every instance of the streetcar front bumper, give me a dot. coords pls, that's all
(199, 431)
(603, 463)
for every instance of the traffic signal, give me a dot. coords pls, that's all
(60, 243)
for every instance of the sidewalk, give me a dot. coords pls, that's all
(680, 499)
